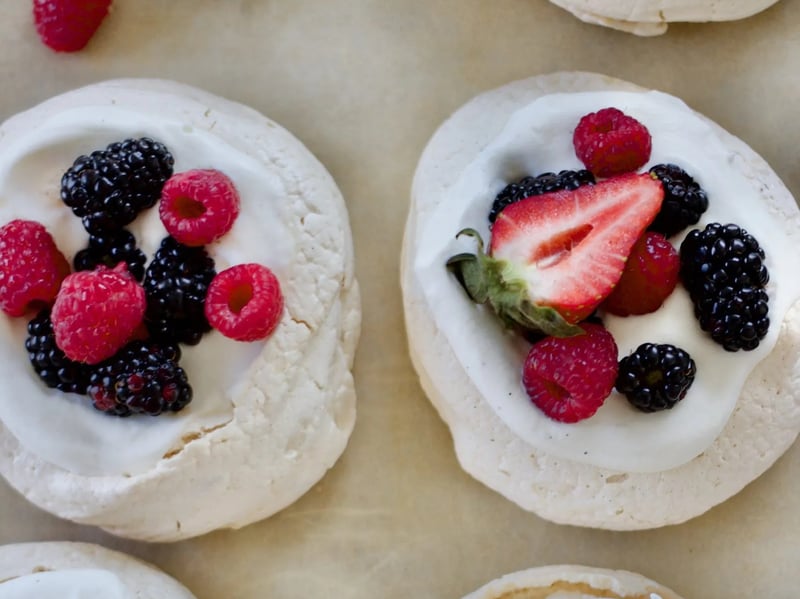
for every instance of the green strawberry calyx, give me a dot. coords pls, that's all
(498, 283)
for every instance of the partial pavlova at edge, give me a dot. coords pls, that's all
(652, 17)
(571, 580)
(49, 570)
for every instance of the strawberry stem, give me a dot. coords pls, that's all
(486, 279)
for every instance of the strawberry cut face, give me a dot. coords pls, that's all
(570, 247)
(553, 258)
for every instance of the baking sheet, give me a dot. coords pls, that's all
(364, 83)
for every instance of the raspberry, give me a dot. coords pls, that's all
(655, 377)
(97, 312)
(609, 142)
(198, 206)
(68, 25)
(244, 302)
(650, 275)
(31, 267)
(569, 378)
(142, 378)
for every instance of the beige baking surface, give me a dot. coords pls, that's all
(364, 83)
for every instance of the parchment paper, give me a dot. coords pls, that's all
(364, 83)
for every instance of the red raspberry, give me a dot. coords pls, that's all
(68, 25)
(569, 378)
(649, 277)
(31, 267)
(97, 312)
(198, 206)
(244, 302)
(609, 142)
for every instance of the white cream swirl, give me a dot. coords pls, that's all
(538, 138)
(64, 429)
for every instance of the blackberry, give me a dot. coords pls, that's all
(655, 377)
(735, 318)
(535, 186)
(142, 378)
(110, 248)
(721, 256)
(49, 362)
(684, 200)
(723, 269)
(108, 188)
(175, 285)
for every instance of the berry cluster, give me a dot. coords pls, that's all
(111, 329)
(553, 269)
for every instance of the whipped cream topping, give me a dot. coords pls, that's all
(538, 138)
(85, 583)
(64, 429)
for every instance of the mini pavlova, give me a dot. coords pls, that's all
(600, 296)
(62, 570)
(180, 312)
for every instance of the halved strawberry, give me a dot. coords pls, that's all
(555, 257)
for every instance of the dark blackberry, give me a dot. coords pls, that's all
(535, 186)
(735, 318)
(142, 378)
(655, 377)
(49, 362)
(722, 256)
(110, 248)
(175, 285)
(108, 188)
(684, 200)
(723, 269)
